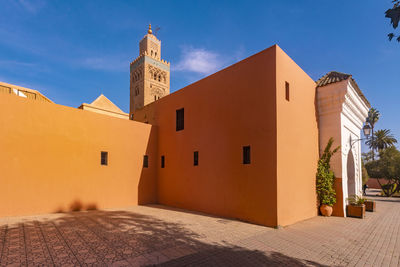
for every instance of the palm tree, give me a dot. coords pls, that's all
(373, 117)
(382, 139)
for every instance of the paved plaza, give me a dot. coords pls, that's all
(152, 235)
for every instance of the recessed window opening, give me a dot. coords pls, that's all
(287, 91)
(104, 158)
(246, 155)
(155, 98)
(180, 119)
(145, 161)
(196, 158)
(162, 161)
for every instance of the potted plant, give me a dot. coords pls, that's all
(325, 180)
(370, 205)
(356, 207)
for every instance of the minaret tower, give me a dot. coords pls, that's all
(149, 73)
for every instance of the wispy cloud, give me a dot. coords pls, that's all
(16, 64)
(29, 69)
(239, 54)
(31, 6)
(105, 63)
(198, 60)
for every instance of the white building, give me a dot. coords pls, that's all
(342, 110)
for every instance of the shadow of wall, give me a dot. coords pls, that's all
(147, 188)
(105, 238)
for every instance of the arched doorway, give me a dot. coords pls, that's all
(351, 177)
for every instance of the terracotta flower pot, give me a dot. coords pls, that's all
(326, 210)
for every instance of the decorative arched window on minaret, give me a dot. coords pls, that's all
(150, 87)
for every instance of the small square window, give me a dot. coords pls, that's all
(145, 161)
(287, 91)
(196, 158)
(246, 155)
(162, 161)
(104, 158)
(180, 119)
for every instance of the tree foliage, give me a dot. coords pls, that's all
(394, 15)
(367, 156)
(382, 139)
(372, 119)
(388, 167)
(364, 173)
(325, 176)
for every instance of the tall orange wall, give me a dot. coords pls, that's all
(297, 141)
(50, 158)
(223, 112)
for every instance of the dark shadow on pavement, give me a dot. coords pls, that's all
(121, 238)
(237, 256)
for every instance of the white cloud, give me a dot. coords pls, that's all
(239, 54)
(16, 64)
(32, 6)
(106, 64)
(30, 69)
(198, 60)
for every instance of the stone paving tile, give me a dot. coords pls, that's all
(158, 235)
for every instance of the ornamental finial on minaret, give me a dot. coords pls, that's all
(150, 31)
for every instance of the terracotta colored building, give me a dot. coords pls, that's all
(241, 143)
(103, 105)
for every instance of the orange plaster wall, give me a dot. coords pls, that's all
(223, 112)
(297, 141)
(50, 158)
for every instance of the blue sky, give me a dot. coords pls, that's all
(74, 50)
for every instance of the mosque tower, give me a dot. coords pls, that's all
(149, 73)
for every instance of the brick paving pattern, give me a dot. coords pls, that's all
(157, 235)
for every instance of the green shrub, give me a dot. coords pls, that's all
(325, 177)
(356, 200)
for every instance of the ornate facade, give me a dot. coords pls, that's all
(342, 110)
(149, 79)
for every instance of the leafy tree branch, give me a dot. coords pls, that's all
(394, 15)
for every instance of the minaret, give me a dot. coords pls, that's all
(149, 73)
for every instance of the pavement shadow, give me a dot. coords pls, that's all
(237, 256)
(121, 238)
